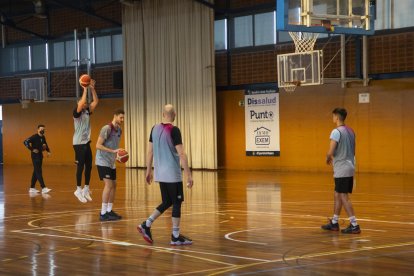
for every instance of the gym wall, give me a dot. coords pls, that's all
(383, 127)
(19, 124)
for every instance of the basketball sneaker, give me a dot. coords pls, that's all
(33, 190)
(145, 232)
(86, 193)
(351, 230)
(113, 216)
(331, 226)
(104, 217)
(78, 194)
(45, 190)
(181, 240)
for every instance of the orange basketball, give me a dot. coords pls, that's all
(122, 156)
(84, 80)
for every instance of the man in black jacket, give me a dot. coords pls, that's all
(37, 144)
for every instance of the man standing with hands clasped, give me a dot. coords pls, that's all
(341, 154)
(36, 144)
(165, 147)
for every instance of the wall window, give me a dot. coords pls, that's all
(117, 48)
(103, 49)
(70, 57)
(254, 30)
(7, 57)
(38, 56)
(392, 14)
(220, 34)
(265, 28)
(23, 58)
(59, 54)
(243, 31)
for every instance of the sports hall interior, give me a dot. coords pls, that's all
(246, 214)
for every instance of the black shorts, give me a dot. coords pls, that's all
(344, 185)
(106, 172)
(172, 192)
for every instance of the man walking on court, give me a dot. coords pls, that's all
(82, 140)
(37, 144)
(107, 148)
(165, 147)
(342, 154)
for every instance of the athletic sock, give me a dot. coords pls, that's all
(109, 208)
(86, 187)
(353, 221)
(335, 219)
(176, 232)
(104, 208)
(149, 221)
(79, 188)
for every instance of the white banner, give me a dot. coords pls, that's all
(262, 122)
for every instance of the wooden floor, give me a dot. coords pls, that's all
(242, 223)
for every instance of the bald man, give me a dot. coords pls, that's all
(165, 147)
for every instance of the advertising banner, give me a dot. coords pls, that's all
(262, 122)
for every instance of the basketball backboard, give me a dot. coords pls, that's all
(326, 16)
(301, 69)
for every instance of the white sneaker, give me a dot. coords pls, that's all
(86, 193)
(33, 190)
(78, 194)
(45, 190)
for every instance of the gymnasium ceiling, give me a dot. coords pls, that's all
(13, 12)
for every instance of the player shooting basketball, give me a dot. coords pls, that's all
(82, 140)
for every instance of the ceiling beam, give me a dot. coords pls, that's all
(87, 11)
(10, 23)
(206, 3)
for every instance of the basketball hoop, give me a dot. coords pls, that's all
(304, 42)
(25, 103)
(290, 86)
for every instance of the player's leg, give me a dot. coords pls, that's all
(111, 213)
(33, 180)
(353, 227)
(145, 227)
(39, 175)
(80, 163)
(88, 168)
(175, 191)
(333, 224)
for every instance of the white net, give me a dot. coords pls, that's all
(25, 103)
(290, 87)
(304, 42)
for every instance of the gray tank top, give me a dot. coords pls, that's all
(82, 125)
(111, 137)
(344, 155)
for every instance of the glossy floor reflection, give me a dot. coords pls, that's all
(242, 223)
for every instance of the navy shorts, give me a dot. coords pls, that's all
(106, 172)
(344, 185)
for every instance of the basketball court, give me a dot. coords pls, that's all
(242, 223)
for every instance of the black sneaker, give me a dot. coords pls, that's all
(351, 229)
(181, 240)
(331, 226)
(103, 217)
(113, 216)
(145, 232)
